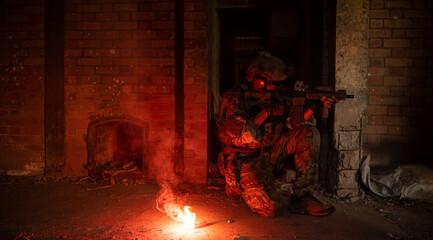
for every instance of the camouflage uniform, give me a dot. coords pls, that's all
(252, 153)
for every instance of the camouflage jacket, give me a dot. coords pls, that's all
(235, 122)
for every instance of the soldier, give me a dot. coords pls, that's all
(259, 137)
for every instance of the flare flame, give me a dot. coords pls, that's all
(166, 203)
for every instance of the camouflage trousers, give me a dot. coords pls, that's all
(252, 175)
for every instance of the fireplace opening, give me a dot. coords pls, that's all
(116, 149)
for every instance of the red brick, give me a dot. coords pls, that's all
(107, 26)
(194, 15)
(398, 4)
(125, 34)
(375, 42)
(419, 4)
(200, 6)
(107, 17)
(151, 53)
(415, 111)
(194, 89)
(89, 17)
(164, 34)
(379, 52)
(139, 16)
(162, 25)
(375, 80)
(376, 110)
(162, 43)
(419, 82)
(125, 61)
(194, 53)
(162, 98)
(89, 61)
(107, 35)
(89, 26)
(396, 101)
(33, 61)
(379, 33)
(125, 7)
(394, 111)
(397, 81)
(374, 100)
(392, 130)
(375, 129)
(376, 23)
(396, 43)
(398, 62)
(73, 34)
(417, 72)
(87, 80)
(398, 33)
(373, 139)
(124, 16)
(394, 120)
(417, 101)
(88, 7)
(163, 89)
(397, 23)
(163, 16)
(196, 108)
(419, 23)
(125, 43)
(101, 52)
(379, 14)
(89, 43)
(163, 61)
(397, 91)
(395, 71)
(144, 61)
(420, 62)
(419, 33)
(80, 70)
(376, 62)
(416, 91)
(125, 25)
(398, 52)
(373, 71)
(418, 14)
(33, 43)
(147, 34)
(376, 4)
(107, 70)
(375, 120)
(73, 52)
(163, 6)
(144, 25)
(163, 79)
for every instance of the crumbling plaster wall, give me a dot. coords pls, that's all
(351, 61)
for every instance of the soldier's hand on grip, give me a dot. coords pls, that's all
(276, 109)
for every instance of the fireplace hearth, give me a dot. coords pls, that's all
(116, 148)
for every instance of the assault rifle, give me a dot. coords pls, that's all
(300, 93)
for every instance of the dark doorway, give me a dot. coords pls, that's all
(300, 32)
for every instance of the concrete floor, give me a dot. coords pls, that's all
(78, 210)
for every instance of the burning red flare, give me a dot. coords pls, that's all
(166, 203)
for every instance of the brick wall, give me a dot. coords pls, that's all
(399, 113)
(119, 60)
(195, 89)
(21, 87)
